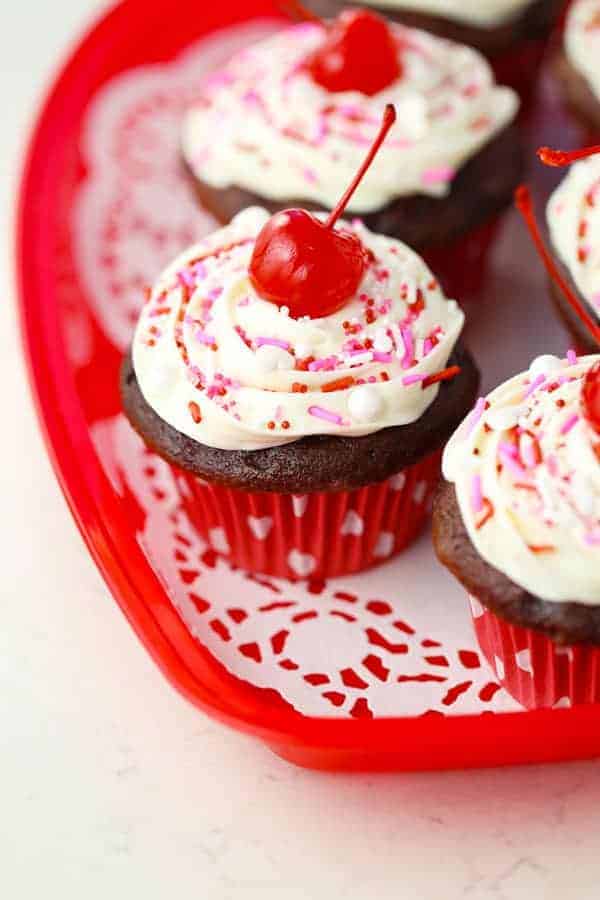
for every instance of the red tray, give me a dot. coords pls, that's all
(366, 673)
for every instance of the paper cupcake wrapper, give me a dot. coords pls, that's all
(318, 535)
(537, 672)
(461, 266)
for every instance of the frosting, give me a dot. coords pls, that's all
(234, 371)
(574, 221)
(582, 40)
(264, 125)
(482, 13)
(526, 466)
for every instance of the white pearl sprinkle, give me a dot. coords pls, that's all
(272, 359)
(545, 365)
(382, 342)
(365, 403)
(501, 418)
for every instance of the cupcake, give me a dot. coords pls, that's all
(578, 62)
(510, 33)
(302, 374)
(287, 122)
(517, 521)
(574, 225)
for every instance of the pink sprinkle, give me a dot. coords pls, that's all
(476, 494)
(596, 300)
(569, 424)
(552, 464)
(203, 338)
(572, 357)
(319, 413)
(510, 462)
(310, 176)
(326, 363)
(593, 537)
(427, 346)
(476, 414)
(438, 175)
(199, 270)
(185, 279)
(408, 341)
(413, 379)
(535, 384)
(378, 356)
(272, 342)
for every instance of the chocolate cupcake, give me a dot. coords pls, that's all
(574, 224)
(510, 33)
(276, 128)
(578, 63)
(303, 379)
(517, 521)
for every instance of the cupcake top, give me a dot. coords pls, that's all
(526, 468)
(573, 215)
(582, 40)
(482, 13)
(236, 372)
(265, 125)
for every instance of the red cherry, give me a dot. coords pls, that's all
(359, 54)
(591, 397)
(307, 265)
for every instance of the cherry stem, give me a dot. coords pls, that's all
(559, 158)
(298, 11)
(389, 117)
(524, 204)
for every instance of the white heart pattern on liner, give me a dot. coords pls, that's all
(523, 658)
(353, 524)
(420, 491)
(398, 481)
(260, 528)
(385, 545)
(477, 609)
(302, 564)
(499, 666)
(218, 540)
(299, 505)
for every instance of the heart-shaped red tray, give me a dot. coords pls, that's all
(379, 671)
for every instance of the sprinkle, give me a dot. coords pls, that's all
(487, 511)
(535, 384)
(203, 338)
(326, 363)
(195, 412)
(509, 459)
(381, 357)
(438, 175)
(319, 413)
(185, 279)
(408, 341)
(569, 424)
(476, 414)
(412, 379)
(476, 494)
(272, 342)
(542, 548)
(572, 357)
(593, 537)
(299, 388)
(340, 385)
(445, 375)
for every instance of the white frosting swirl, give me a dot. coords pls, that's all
(526, 467)
(573, 215)
(264, 125)
(481, 13)
(234, 371)
(582, 40)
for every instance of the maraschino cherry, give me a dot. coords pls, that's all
(359, 53)
(591, 397)
(307, 265)
(591, 386)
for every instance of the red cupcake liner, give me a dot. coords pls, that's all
(318, 535)
(461, 266)
(534, 670)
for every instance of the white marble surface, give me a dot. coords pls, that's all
(112, 786)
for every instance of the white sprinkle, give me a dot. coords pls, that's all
(382, 342)
(544, 365)
(365, 403)
(502, 418)
(272, 359)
